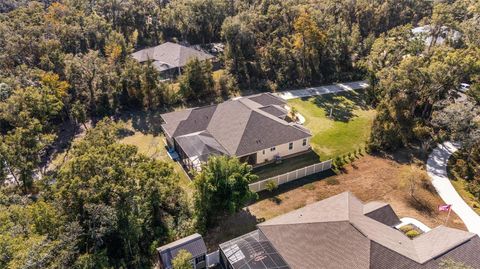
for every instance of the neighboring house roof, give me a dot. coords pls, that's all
(425, 32)
(193, 244)
(339, 232)
(239, 126)
(170, 55)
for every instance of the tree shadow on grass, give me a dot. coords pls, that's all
(277, 200)
(404, 155)
(341, 106)
(146, 122)
(230, 227)
(421, 205)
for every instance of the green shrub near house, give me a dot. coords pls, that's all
(271, 186)
(412, 234)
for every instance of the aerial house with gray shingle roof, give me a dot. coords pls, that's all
(252, 128)
(342, 232)
(169, 58)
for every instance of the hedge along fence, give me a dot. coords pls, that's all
(291, 176)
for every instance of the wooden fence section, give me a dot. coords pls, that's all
(291, 176)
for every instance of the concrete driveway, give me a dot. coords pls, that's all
(312, 91)
(437, 170)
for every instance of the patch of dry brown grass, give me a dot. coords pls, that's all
(373, 178)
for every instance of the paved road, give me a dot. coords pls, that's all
(437, 170)
(334, 88)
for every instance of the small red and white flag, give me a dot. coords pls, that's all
(444, 207)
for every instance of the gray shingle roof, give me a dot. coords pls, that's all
(267, 99)
(193, 244)
(240, 125)
(332, 245)
(275, 110)
(336, 233)
(169, 55)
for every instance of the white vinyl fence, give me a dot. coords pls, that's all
(291, 176)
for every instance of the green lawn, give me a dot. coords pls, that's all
(347, 130)
(460, 186)
(287, 165)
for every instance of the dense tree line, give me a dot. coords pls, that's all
(411, 80)
(108, 206)
(279, 44)
(416, 88)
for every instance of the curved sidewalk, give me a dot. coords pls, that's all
(437, 170)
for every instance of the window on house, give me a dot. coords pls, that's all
(290, 146)
(304, 142)
(199, 259)
(272, 149)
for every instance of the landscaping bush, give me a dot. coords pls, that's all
(406, 228)
(412, 234)
(338, 162)
(332, 181)
(309, 186)
(271, 186)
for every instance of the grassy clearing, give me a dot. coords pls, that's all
(151, 143)
(347, 130)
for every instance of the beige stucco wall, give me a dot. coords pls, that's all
(282, 150)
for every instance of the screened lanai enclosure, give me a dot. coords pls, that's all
(251, 251)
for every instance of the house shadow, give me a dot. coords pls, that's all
(272, 168)
(341, 106)
(274, 195)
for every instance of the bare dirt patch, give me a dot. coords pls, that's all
(369, 178)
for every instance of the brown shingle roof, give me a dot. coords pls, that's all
(381, 212)
(339, 222)
(332, 245)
